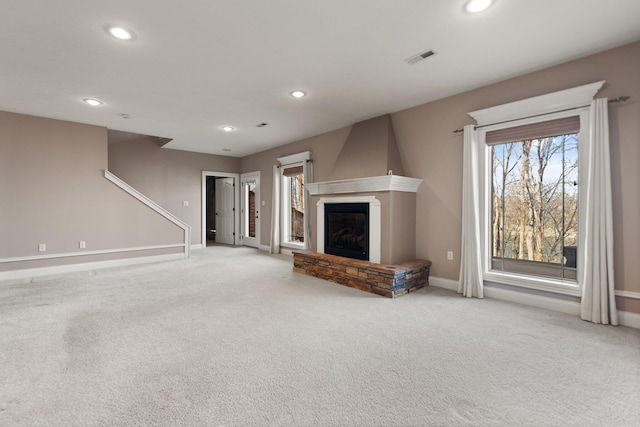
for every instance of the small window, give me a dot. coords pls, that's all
(293, 173)
(293, 205)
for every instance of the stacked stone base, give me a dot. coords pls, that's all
(390, 281)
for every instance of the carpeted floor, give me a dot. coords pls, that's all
(232, 337)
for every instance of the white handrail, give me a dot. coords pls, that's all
(157, 208)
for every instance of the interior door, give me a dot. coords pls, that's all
(251, 209)
(225, 211)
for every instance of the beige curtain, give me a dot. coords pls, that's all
(598, 303)
(274, 245)
(307, 170)
(470, 282)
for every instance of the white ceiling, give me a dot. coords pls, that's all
(199, 64)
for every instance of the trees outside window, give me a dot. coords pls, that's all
(293, 205)
(296, 224)
(534, 206)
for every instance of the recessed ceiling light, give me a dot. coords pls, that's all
(93, 102)
(298, 94)
(475, 6)
(227, 128)
(120, 33)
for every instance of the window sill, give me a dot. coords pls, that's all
(292, 245)
(558, 286)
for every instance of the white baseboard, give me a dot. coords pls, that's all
(438, 282)
(197, 246)
(570, 307)
(628, 318)
(560, 305)
(266, 248)
(628, 294)
(71, 268)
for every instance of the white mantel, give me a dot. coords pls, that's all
(365, 185)
(342, 192)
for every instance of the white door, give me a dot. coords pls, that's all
(251, 209)
(224, 211)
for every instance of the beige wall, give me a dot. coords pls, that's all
(324, 152)
(53, 191)
(402, 217)
(372, 142)
(40, 158)
(431, 151)
(168, 177)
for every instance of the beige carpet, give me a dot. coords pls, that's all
(232, 337)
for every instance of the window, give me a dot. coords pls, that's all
(534, 198)
(532, 207)
(294, 171)
(249, 209)
(293, 204)
(533, 158)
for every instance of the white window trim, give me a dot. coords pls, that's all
(576, 99)
(292, 160)
(544, 104)
(295, 158)
(250, 176)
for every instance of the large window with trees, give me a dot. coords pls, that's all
(526, 201)
(534, 198)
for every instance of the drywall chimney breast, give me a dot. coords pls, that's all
(370, 150)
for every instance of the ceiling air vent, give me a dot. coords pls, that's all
(419, 57)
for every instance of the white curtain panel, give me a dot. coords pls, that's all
(307, 170)
(274, 246)
(598, 303)
(470, 282)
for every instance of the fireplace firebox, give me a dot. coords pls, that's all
(346, 230)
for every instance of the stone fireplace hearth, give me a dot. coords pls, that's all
(390, 281)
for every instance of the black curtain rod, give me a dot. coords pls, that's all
(618, 99)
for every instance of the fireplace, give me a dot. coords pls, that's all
(365, 217)
(346, 230)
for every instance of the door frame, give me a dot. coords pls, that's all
(251, 176)
(236, 204)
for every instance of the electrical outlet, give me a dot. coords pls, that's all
(82, 244)
(185, 203)
(42, 247)
(450, 255)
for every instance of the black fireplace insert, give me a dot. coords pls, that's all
(346, 230)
